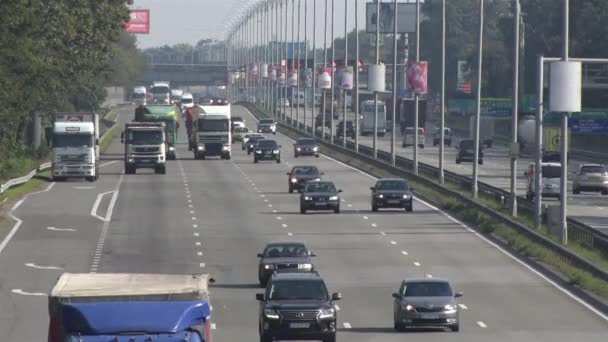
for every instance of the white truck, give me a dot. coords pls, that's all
(367, 117)
(211, 132)
(75, 146)
(139, 96)
(176, 96)
(186, 101)
(161, 92)
(145, 146)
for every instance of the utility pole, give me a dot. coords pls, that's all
(515, 112)
(478, 100)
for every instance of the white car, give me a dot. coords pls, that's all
(408, 137)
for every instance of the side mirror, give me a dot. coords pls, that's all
(372, 188)
(260, 255)
(312, 254)
(336, 296)
(259, 296)
(458, 294)
(211, 280)
(340, 190)
(96, 141)
(396, 295)
(288, 173)
(122, 137)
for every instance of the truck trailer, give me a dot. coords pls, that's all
(125, 307)
(75, 146)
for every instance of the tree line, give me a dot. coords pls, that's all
(58, 56)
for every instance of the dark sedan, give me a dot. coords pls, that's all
(284, 256)
(306, 147)
(320, 196)
(350, 129)
(299, 175)
(267, 150)
(252, 141)
(466, 152)
(392, 193)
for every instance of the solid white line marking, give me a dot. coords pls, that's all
(482, 324)
(429, 276)
(347, 325)
(393, 242)
(417, 264)
(18, 204)
(463, 307)
(213, 326)
(404, 253)
(61, 229)
(96, 205)
(23, 293)
(32, 265)
(83, 187)
(108, 163)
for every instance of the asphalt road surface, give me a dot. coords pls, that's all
(215, 215)
(588, 207)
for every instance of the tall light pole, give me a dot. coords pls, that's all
(394, 102)
(416, 104)
(478, 100)
(323, 100)
(375, 141)
(293, 53)
(564, 138)
(345, 66)
(515, 112)
(333, 75)
(298, 71)
(314, 65)
(305, 62)
(442, 102)
(356, 75)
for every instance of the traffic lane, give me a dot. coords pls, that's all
(481, 275)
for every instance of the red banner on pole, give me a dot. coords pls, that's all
(139, 22)
(417, 75)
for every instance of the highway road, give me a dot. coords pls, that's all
(587, 207)
(215, 215)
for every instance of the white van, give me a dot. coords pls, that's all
(368, 109)
(408, 137)
(550, 181)
(187, 101)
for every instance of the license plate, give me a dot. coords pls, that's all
(144, 160)
(321, 204)
(430, 316)
(299, 325)
(393, 201)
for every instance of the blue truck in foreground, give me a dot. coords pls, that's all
(126, 307)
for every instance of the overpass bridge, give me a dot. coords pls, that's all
(186, 74)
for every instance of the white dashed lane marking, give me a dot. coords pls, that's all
(482, 324)
(463, 307)
(404, 253)
(417, 264)
(347, 325)
(393, 242)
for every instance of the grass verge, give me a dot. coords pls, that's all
(110, 136)
(488, 226)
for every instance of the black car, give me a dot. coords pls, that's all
(392, 193)
(350, 129)
(466, 152)
(267, 150)
(305, 147)
(299, 175)
(297, 306)
(284, 256)
(320, 196)
(252, 141)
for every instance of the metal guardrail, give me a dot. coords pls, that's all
(579, 231)
(43, 167)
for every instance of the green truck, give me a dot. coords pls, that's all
(168, 114)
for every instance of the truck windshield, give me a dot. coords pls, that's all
(138, 96)
(187, 101)
(145, 137)
(213, 125)
(72, 140)
(160, 90)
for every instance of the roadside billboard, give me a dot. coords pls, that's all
(406, 22)
(139, 22)
(417, 78)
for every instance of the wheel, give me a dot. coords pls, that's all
(576, 191)
(331, 338)
(403, 145)
(265, 338)
(337, 210)
(480, 161)
(457, 161)
(160, 170)
(274, 133)
(279, 161)
(409, 208)
(529, 196)
(455, 327)
(295, 155)
(605, 192)
(228, 157)
(255, 160)
(290, 189)
(248, 152)
(421, 146)
(58, 179)
(302, 210)
(90, 179)
(449, 143)
(374, 208)
(203, 157)
(435, 143)
(316, 156)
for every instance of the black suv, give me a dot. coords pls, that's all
(391, 193)
(284, 256)
(252, 141)
(267, 150)
(350, 129)
(466, 152)
(297, 306)
(319, 196)
(299, 175)
(305, 147)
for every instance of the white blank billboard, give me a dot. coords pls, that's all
(406, 21)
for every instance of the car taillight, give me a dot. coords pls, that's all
(424, 131)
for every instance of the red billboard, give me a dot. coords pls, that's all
(139, 22)
(417, 75)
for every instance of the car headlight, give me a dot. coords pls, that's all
(276, 151)
(171, 148)
(226, 147)
(299, 149)
(271, 314)
(307, 198)
(317, 179)
(333, 198)
(201, 148)
(269, 267)
(450, 307)
(305, 266)
(327, 313)
(258, 151)
(380, 196)
(406, 196)
(294, 180)
(315, 149)
(251, 146)
(408, 307)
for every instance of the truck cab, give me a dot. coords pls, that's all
(145, 146)
(211, 134)
(139, 96)
(161, 93)
(75, 146)
(166, 114)
(125, 307)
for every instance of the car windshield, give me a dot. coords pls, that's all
(145, 137)
(72, 140)
(285, 251)
(266, 122)
(241, 130)
(369, 107)
(467, 145)
(551, 171)
(255, 138)
(427, 289)
(306, 142)
(205, 125)
(320, 187)
(267, 144)
(137, 96)
(392, 185)
(298, 289)
(409, 130)
(305, 170)
(593, 169)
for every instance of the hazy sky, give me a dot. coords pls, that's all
(188, 21)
